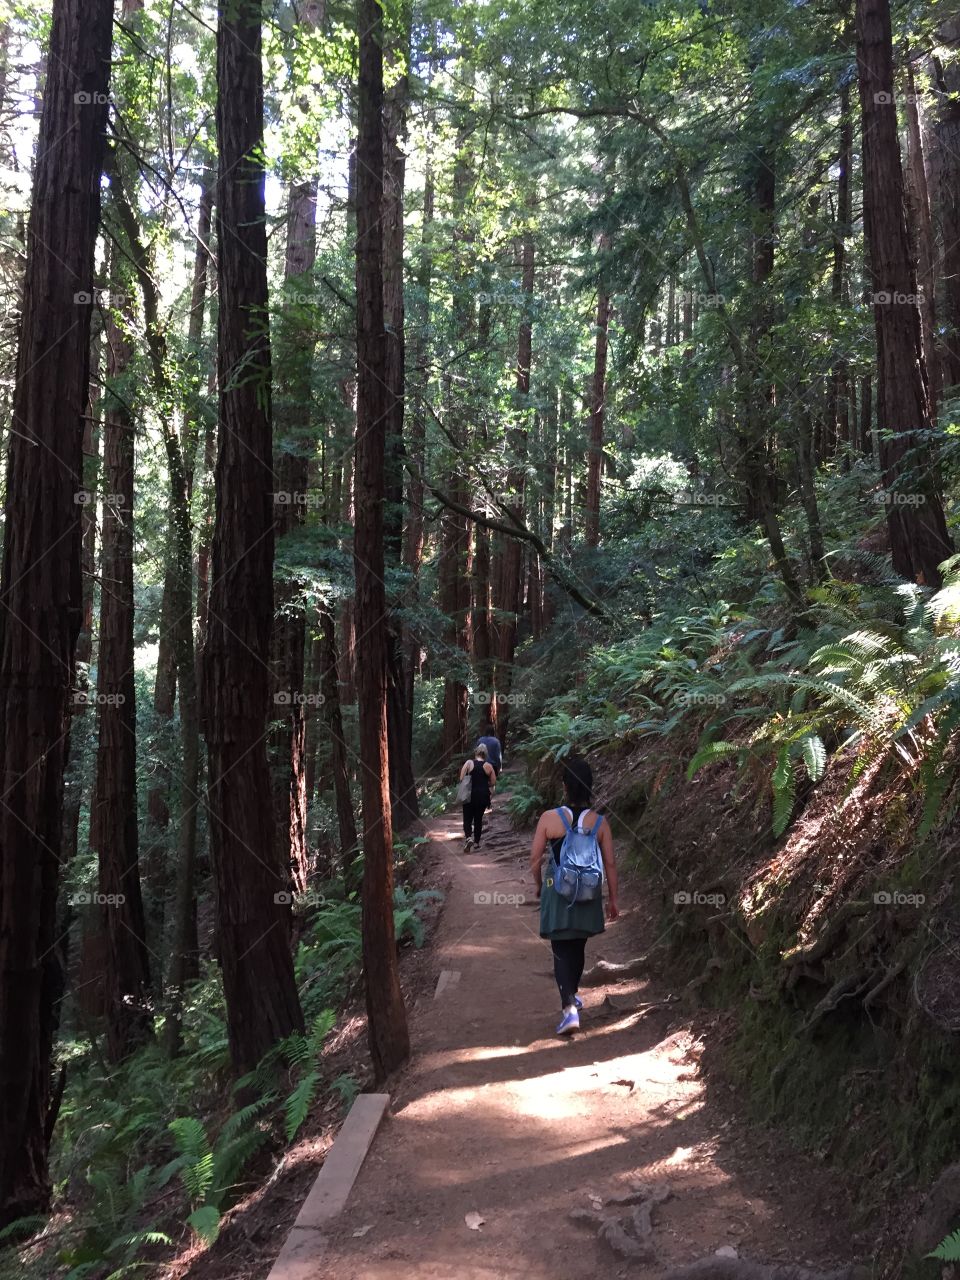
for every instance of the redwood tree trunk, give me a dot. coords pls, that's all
(114, 832)
(403, 786)
(597, 404)
(253, 925)
(947, 183)
(339, 761)
(511, 562)
(386, 1016)
(292, 463)
(918, 204)
(919, 541)
(40, 588)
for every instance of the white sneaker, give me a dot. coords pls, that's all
(467, 846)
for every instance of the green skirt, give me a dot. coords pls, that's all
(561, 919)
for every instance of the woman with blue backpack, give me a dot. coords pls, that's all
(571, 856)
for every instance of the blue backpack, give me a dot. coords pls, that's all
(579, 875)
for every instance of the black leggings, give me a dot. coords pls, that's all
(568, 958)
(473, 820)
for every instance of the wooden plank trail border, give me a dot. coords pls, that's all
(306, 1244)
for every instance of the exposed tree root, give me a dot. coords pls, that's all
(714, 965)
(626, 1245)
(879, 987)
(607, 971)
(848, 987)
(638, 1244)
(827, 940)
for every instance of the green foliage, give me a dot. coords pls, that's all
(948, 1250)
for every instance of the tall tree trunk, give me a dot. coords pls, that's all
(339, 761)
(114, 834)
(40, 588)
(837, 426)
(921, 226)
(165, 684)
(253, 925)
(419, 351)
(386, 1016)
(292, 451)
(919, 541)
(452, 572)
(183, 962)
(597, 407)
(947, 185)
(511, 567)
(403, 786)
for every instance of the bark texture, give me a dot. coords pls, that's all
(40, 588)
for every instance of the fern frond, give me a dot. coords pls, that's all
(297, 1106)
(710, 754)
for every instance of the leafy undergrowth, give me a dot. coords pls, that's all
(155, 1151)
(791, 790)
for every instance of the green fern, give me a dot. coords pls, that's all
(297, 1106)
(711, 754)
(948, 1250)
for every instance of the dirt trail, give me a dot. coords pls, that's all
(496, 1116)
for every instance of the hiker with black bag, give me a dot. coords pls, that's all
(571, 856)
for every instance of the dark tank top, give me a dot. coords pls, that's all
(481, 783)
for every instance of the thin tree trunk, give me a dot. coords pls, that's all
(386, 1017)
(40, 588)
(947, 184)
(837, 426)
(597, 406)
(414, 537)
(339, 761)
(114, 834)
(508, 605)
(253, 919)
(183, 961)
(921, 225)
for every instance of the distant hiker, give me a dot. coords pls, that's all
(490, 740)
(483, 783)
(571, 856)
